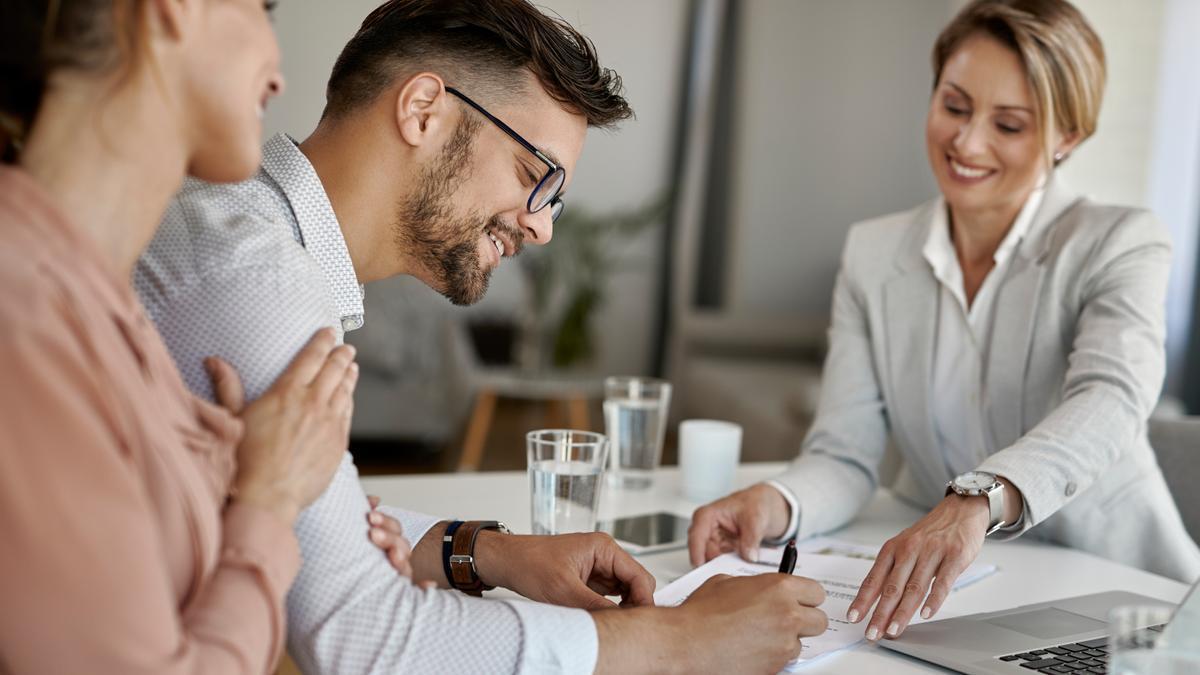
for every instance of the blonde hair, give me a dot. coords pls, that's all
(1061, 54)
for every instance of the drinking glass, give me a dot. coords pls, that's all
(564, 479)
(1137, 646)
(635, 419)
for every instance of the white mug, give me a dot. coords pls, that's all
(708, 458)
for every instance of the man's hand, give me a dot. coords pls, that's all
(738, 522)
(935, 550)
(574, 570)
(730, 624)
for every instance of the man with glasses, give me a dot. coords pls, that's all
(417, 167)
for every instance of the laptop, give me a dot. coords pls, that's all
(1068, 635)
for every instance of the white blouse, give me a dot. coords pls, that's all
(962, 340)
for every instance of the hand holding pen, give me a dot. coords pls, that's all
(787, 564)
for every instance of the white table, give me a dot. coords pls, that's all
(1028, 571)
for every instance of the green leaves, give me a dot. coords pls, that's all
(568, 278)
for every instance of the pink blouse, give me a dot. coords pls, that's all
(118, 551)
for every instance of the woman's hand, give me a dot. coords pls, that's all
(935, 550)
(387, 534)
(296, 433)
(737, 522)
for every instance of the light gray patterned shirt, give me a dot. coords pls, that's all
(249, 272)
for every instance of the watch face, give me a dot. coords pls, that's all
(975, 480)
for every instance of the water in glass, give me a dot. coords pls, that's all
(635, 431)
(564, 496)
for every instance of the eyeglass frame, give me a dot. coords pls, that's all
(555, 202)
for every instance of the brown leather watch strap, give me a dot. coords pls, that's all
(463, 575)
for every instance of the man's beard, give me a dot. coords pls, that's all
(427, 231)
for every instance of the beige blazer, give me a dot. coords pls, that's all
(1074, 368)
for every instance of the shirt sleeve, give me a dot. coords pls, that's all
(793, 513)
(348, 611)
(415, 525)
(255, 316)
(84, 572)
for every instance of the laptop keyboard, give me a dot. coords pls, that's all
(1087, 657)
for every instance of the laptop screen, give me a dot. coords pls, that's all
(1185, 625)
(1191, 601)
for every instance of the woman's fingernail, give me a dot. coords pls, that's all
(894, 629)
(852, 616)
(926, 613)
(375, 519)
(377, 536)
(872, 633)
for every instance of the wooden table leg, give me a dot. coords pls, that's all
(477, 430)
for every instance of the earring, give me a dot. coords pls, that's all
(1058, 156)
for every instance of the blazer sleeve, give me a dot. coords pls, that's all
(838, 467)
(1114, 374)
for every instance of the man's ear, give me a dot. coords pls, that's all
(423, 109)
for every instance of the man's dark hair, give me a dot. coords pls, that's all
(482, 47)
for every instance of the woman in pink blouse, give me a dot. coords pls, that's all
(141, 529)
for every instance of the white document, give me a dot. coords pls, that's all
(839, 566)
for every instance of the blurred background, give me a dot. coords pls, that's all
(701, 239)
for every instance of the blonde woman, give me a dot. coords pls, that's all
(143, 530)
(1007, 337)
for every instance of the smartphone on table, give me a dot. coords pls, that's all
(648, 533)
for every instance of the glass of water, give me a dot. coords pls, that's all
(635, 419)
(1138, 643)
(564, 479)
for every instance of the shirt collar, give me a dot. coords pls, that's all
(1020, 226)
(939, 249)
(319, 229)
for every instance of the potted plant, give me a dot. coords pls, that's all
(567, 282)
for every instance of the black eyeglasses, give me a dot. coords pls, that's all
(545, 193)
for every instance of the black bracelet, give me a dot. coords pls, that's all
(448, 549)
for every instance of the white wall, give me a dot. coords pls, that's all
(832, 97)
(311, 33)
(643, 41)
(1113, 166)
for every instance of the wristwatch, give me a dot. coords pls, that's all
(458, 554)
(977, 483)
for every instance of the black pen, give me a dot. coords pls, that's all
(787, 564)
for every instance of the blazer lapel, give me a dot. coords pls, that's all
(1008, 352)
(1014, 322)
(910, 311)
